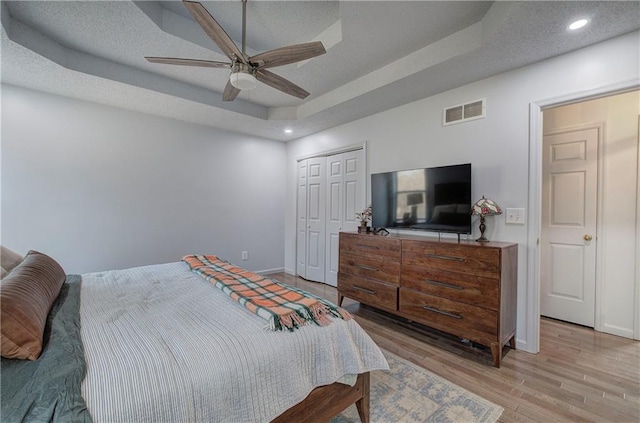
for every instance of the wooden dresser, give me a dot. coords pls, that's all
(467, 289)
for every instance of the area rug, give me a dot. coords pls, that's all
(409, 393)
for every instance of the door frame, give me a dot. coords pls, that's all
(351, 147)
(531, 343)
(636, 329)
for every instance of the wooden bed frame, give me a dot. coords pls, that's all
(326, 402)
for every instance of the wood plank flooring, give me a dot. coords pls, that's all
(579, 375)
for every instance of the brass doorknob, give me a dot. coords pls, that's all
(587, 237)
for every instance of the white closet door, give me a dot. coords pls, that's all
(316, 225)
(301, 226)
(346, 195)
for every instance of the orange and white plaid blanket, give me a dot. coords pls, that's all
(281, 305)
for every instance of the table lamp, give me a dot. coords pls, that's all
(484, 207)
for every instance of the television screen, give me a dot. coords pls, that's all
(434, 199)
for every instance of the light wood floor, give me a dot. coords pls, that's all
(579, 374)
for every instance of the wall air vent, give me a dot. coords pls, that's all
(464, 112)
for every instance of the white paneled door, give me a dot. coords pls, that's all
(568, 241)
(345, 196)
(331, 190)
(316, 225)
(301, 222)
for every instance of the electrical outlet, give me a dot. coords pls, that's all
(245, 255)
(515, 216)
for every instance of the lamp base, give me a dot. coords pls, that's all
(482, 228)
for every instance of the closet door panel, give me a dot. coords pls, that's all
(346, 196)
(301, 224)
(316, 218)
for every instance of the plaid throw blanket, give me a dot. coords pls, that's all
(281, 305)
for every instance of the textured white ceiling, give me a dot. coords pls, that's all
(380, 54)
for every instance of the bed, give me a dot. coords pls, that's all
(163, 344)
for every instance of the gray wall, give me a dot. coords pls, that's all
(99, 188)
(412, 136)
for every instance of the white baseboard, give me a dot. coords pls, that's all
(269, 271)
(522, 346)
(618, 331)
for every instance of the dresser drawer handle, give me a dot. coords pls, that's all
(365, 290)
(445, 285)
(446, 313)
(364, 267)
(437, 256)
(371, 247)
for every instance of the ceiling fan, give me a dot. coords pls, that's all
(245, 70)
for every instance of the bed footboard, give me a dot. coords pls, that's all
(326, 402)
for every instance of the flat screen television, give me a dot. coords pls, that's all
(436, 199)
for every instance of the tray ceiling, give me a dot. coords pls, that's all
(380, 54)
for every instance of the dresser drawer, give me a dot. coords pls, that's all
(367, 291)
(475, 323)
(370, 245)
(370, 266)
(469, 289)
(475, 260)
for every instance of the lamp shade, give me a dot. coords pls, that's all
(485, 207)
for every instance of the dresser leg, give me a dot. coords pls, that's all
(496, 353)
(340, 298)
(512, 342)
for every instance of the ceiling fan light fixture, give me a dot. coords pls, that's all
(242, 78)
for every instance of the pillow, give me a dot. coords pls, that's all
(26, 296)
(9, 259)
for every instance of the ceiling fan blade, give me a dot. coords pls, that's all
(230, 92)
(285, 55)
(214, 30)
(281, 84)
(189, 62)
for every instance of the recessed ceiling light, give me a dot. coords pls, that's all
(288, 131)
(578, 24)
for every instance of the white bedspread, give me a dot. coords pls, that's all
(164, 345)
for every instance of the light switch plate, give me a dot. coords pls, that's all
(515, 216)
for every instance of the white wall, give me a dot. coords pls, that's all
(617, 216)
(498, 146)
(99, 188)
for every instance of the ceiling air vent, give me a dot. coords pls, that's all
(464, 112)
